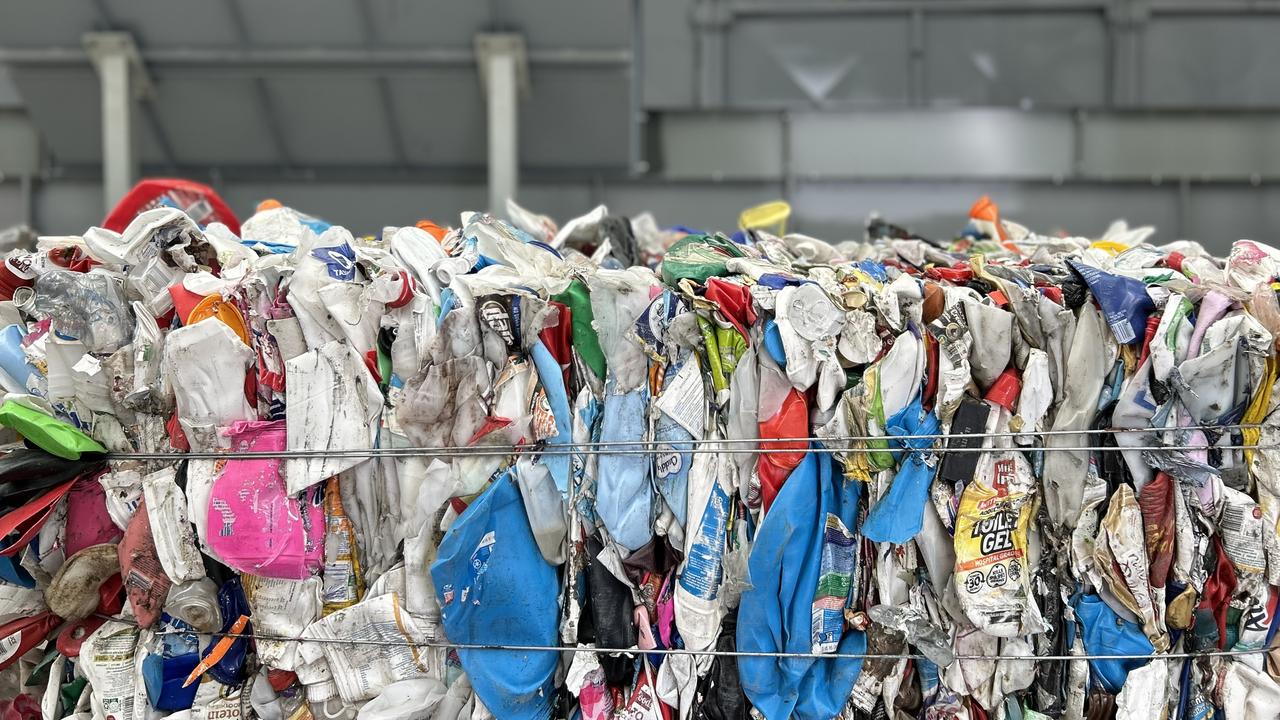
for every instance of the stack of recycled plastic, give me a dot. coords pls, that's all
(603, 470)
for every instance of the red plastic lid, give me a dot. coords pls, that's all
(1175, 260)
(1004, 391)
(1053, 293)
(280, 679)
(406, 291)
(950, 274)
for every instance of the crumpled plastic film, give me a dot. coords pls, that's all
(601, 469)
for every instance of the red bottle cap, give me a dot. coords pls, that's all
(1004, 391)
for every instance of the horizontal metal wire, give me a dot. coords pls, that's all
(653, 446)
(719, 653)
(648, 448)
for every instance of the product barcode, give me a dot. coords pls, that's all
(1232, 519)
(1122, 330)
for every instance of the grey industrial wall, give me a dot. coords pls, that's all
(1069, 112)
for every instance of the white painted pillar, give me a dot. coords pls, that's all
(503, 128)
(503, 70)
(114, 55)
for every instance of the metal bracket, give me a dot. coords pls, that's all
(711, 15)
(100, 45)
(1128, 14)
(490, 44)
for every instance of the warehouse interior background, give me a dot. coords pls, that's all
(1070, 113)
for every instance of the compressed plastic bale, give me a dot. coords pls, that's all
(713, 379)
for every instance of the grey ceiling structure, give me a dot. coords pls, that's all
(1069, 112)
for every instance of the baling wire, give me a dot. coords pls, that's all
(431, 644)
(648, 448)
(644, 447)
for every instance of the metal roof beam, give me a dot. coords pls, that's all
(839, 8)
(267, 59)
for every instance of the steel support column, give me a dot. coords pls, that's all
(1126, 23)
(115, 56)
(504, 72)
(711, 21)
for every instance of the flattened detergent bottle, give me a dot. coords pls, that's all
(991, 576)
